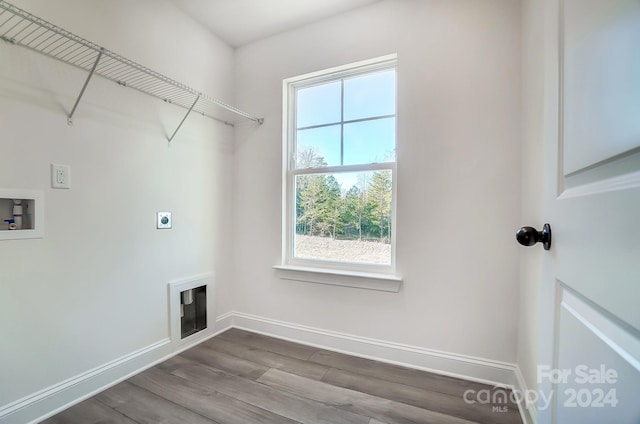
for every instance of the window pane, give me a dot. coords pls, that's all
(318, 147)
(344, 217)
(370, 95)
(318, 105)
(370, 141)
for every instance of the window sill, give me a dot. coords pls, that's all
(361, 280)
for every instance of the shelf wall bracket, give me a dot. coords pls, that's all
(185, 118)
(84, 87)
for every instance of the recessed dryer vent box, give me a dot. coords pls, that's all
(21, 214)
(193, 305)
(190, 321)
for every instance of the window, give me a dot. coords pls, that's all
(340, 168)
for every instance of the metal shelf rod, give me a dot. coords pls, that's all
(84, 87)
(184, 119)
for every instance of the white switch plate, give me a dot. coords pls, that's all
(60, 176)
(164, 220)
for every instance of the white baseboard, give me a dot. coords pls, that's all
(224, 322)
(446, 363)
(49, 401)
(52, 400)
(528, 411)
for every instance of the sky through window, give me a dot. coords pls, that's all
(325, 130)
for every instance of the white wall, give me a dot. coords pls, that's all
(458, 175)
(95, 287)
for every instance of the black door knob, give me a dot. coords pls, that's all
(528, 236)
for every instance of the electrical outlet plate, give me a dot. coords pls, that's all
(60, 176)
(163, 221)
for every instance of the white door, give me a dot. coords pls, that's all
(589, 340)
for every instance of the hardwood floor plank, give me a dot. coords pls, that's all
(433, 401)
(173, 363)
(246, 378)
(267, 358)
(147, 408)
(283, 347)
(260, 395)
(385, 410)
(91, 411)
(397, 374)
(220, 360)
(207, 402)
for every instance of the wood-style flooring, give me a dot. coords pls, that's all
(240, 377)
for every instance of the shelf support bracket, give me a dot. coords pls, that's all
(185, 118)
(84, 87)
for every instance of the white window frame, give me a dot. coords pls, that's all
(356, 274)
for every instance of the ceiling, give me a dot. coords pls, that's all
(240, 22)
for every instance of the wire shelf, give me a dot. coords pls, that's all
(24, 29)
